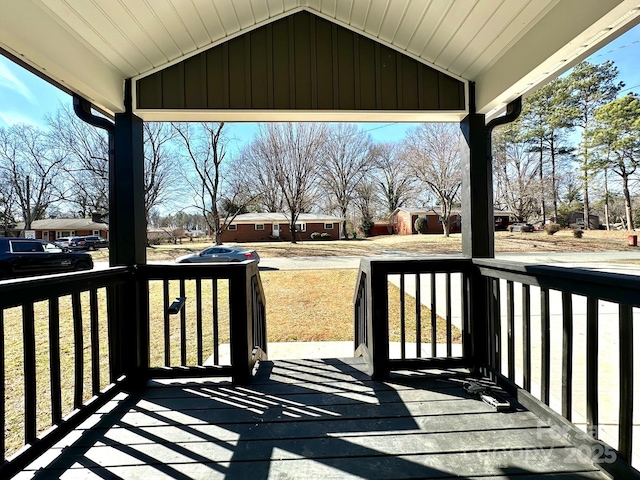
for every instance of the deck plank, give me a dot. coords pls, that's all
(312, 419)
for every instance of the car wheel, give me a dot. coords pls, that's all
(82, 266)
(91, 247)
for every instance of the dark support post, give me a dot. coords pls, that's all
(127, 222)
(477, 188)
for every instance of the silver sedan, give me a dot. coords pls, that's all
(220, 253)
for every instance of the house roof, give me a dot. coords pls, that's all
(64, 224)
(507, 48)
(282, 218)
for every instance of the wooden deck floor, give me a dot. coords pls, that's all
(313, 419)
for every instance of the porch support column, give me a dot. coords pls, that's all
(127, 222)
(477, 185)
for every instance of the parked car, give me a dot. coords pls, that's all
(62, 242)
(522, 227)
(89, 242)
(219, 253)
(22, 257)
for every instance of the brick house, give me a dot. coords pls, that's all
(54, 228)
(404, 219)
(266, 227)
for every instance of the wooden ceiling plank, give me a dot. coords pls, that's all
(260, 10)
(359, 13)
(343, 11)
(244, 13)
(435, 14)
(413, 16)
(392, 20)
(447, 29)
(374, 18)
(193, 21)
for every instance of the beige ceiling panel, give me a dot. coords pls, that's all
(167, 15)
(375, 17)
(447, 30)
(432, 19)
(328, 7)
(483, 38)
(192, 20)
(413, 17)
(276, 7)
(228, 17)
(343, 11)
(154, 28)
(480, 19)
(60, 56)
(260, 10)
(395, 13)
(210, 19)
(359, 13)
(244, 13)
(290, 4)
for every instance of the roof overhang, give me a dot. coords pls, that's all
(507, 49)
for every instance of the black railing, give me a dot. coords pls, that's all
(60, 354)
(69, 343)
(408, 313)
(565, 336)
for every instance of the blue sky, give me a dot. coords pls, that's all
(25, 98)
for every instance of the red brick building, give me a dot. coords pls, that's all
(404, 220)
(54, 228)
(267, 227)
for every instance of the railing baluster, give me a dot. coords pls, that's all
(448, 312)
(625, 434)
(526, 336)
(2, 389)
(418, 318)
(545, 341)
(199, 346)
(496, 326)
(216, 335)
(592, 366)
(567, 355)
(167, 323)
(403, 331)
(54, 360)
(511, 341)
(95, 342)
(29, 353)
(434, 324)
(78, 344)
(466, 291)
(183, 328)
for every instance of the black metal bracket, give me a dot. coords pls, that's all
(177, 305)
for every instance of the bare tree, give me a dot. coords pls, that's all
(33, 169)
(346, 160)
(292, 152)
(86, 149)
(392, 176)
(160, 165)
(261, 180)
(515, 170)
(432, 150)
(205, 148)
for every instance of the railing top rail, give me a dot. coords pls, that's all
(195, 270)
(34, 289)
(615, 287)
(416, 264)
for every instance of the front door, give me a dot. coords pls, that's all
(276, 230)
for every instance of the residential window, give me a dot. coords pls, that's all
(259, 226)
(233, 227)
(96, 232)
(439, 219)
(65, 234)
(301, 227)
(328, 226)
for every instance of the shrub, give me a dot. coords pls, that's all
(366, 224)
(577, 233)
(510, 228)
(421, 224)
(551, 228)
(316, 236)
(325, 236)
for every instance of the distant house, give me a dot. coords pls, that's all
(263, 227)
(54, 228)
(404, 220)
(576, 220)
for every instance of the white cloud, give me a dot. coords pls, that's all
(9, 80)
(13, 118)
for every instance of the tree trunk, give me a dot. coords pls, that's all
(554, 184)
(627, 201)
(542, 203)
(606, 201)
(585, 189)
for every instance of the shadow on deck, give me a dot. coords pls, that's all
(312, 419)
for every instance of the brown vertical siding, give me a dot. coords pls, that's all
(300, 62)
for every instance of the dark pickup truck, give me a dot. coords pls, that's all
(21, 257)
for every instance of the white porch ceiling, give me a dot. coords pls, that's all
(508, 47)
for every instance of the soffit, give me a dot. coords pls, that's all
(507, 47)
